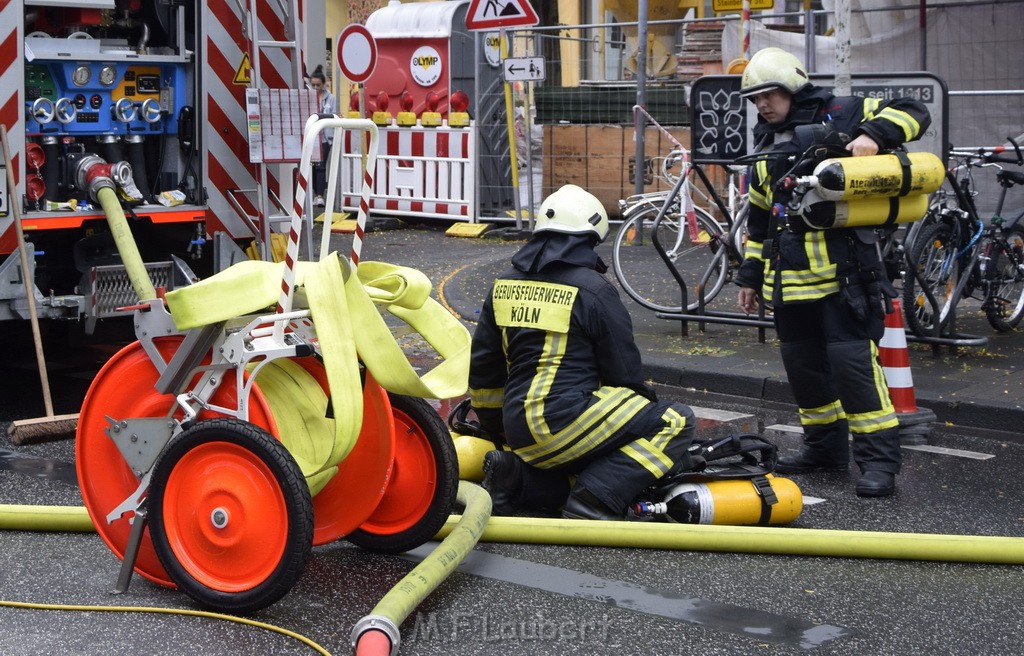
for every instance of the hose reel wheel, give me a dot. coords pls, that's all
(104, 477)
(424, 481)
(230, 515)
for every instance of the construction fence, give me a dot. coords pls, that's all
(964, 60)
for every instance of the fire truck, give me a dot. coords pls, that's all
(161, 85)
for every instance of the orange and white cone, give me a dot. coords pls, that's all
(895, 357)
(915, 423)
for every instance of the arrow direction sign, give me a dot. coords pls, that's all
(523, 69)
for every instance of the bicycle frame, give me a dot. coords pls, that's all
(972, 269)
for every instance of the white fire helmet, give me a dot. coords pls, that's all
(773, 68)
(573, 210)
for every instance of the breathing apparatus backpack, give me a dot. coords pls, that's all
(829, 188)
(733, 484)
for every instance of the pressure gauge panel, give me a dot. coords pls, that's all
(107, 76)
(81, 76)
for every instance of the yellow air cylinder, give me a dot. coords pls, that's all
(849, 178)
(470, 451)
(865, 212)
(726, 502)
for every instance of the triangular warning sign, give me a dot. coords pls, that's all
(492, 14)
(242, 72)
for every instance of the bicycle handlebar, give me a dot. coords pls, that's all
(993, 155)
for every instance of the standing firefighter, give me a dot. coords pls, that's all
(556, 374)
(825, 286)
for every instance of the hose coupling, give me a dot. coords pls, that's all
(377, 623)
(93, 173)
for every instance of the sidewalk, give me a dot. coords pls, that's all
(974, 388)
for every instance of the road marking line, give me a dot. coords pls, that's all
(784, 428)
(941, 450)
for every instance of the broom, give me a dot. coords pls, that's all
(50, 427)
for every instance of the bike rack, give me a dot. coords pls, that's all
(703, 315)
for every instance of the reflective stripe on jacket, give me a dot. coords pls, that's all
(554, 363)
(809, 262)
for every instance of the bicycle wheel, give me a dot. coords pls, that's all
(645, 276)
(1004, 306)
(933, 257)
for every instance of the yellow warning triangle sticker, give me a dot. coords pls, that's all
(242, 73)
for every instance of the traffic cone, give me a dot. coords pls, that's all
(915, 422)
(892, 351)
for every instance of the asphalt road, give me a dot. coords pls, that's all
(544, 599)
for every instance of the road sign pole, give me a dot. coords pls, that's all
(641, 97)
(513, 160)
(528, 139)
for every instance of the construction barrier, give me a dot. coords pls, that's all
(426, 172)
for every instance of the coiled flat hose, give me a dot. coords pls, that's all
(377, 633)
(126, 246)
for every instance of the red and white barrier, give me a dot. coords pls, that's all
(427, 172)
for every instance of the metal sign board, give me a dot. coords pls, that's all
(494, 14)
(523, 69)
(721, 6)
(722, 122)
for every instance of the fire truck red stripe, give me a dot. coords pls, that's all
(9, 117)
(225, 15)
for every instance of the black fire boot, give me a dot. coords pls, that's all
(503, 480)
(582, 504)
(876, 483)
(825, 449)
(878, 456)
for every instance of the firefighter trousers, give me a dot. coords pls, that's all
(621, 467)
(831, 360)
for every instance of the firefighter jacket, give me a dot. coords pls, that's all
(806, 265)
(554, 359)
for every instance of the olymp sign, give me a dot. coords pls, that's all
(425, 66)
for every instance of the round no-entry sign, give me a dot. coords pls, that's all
(357, 53)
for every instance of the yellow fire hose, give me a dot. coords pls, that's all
(45, 518)
(998, 550)
(129, 251)
(378, 631)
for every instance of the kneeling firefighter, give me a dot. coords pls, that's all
(827, 287)
(556, 375)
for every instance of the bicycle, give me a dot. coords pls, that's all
(704, 250)
(956, 254)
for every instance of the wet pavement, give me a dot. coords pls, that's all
(546, 599)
